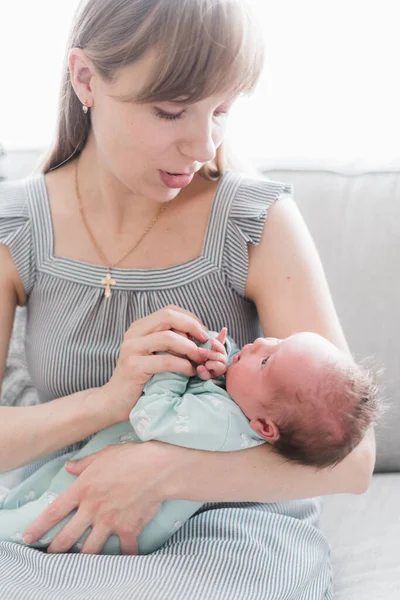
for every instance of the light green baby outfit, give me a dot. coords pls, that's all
(174, 408)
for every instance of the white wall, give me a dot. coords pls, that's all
(330, 87)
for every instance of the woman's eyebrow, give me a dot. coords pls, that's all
(175, 103)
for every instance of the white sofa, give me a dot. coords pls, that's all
(353, 211)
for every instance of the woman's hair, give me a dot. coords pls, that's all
(203, 47)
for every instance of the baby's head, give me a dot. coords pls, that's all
(303, 395)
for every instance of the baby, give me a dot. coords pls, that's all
(302, 395)
(308, 399)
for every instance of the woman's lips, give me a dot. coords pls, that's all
(176, 181)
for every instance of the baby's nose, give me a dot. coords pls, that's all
(266, 342)
(258, 343)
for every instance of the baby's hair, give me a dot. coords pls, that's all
(336, 413)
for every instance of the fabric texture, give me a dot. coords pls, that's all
(226, 550)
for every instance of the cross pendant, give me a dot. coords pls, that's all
(108, 282)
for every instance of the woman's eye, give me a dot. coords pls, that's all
(174, 117)
(264, 360)
(168, 116)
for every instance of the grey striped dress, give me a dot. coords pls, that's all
(226, 551)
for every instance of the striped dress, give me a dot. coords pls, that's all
(226, 551)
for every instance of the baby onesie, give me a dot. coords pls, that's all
(173, 408)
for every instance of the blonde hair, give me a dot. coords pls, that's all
(203, 47)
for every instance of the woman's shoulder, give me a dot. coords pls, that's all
(242, 207)
(13, 199)
(19, 197)
(249, 197)
(255, 188)
(16, 227)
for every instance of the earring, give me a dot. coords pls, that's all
(85, 108)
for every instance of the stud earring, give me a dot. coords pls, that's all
(85, 108)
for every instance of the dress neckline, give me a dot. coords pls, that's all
(146, 279)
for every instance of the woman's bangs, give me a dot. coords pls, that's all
(216, 52)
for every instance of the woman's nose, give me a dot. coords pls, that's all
(200, 144)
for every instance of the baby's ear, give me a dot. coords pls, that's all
(267, 429)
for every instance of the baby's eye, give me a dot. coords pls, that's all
(264, 360)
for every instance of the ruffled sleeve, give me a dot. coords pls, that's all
(247, 217)
(16, 231)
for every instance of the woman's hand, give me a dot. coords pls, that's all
(216, 360)
(118, 491)
(159, 332)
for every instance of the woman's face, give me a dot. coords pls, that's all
(136, 142)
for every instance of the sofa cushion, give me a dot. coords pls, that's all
(364, 532)
(17, 389)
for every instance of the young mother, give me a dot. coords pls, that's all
(135, 232)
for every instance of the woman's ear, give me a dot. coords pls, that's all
(266, 428)
(82, 73)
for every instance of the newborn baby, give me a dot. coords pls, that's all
(307, 398)
(301, 394)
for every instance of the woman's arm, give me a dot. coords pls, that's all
(286, 281)
(119, 489)
(31, 432)
(259, 475)
(28, 433)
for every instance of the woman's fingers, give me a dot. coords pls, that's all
(182, 310)
(71, 533)
(56, 511)
(165, 341)
(128, 532)
(129, 545)
(164, 362)
(170, 317)
(218, 346)
(96, 539)
(76, 467)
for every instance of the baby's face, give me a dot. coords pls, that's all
(270, 364)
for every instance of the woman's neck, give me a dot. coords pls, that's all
(102, 192)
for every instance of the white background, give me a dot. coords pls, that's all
(330, 86)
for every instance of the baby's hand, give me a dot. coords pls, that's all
(215, 360)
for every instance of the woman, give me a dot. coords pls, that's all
(166, 241)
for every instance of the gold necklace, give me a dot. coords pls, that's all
(108, 281)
